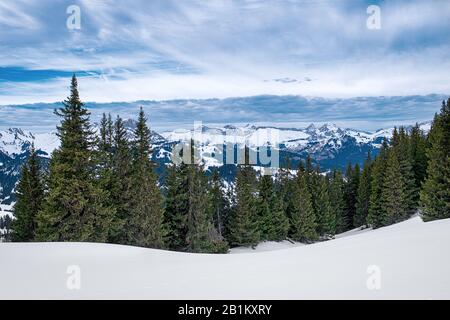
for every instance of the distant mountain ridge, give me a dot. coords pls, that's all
(328, 144)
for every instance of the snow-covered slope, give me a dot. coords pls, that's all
(412, 260)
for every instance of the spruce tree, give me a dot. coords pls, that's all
(303, 221)
(338, 201)
(145, 227)
(377, 214)
(405, 159)
(74, 209)
(418, 151)
(285, 185)
(435, 194)
(177, 206)
(272, 221)
(363, 195)
(30, 196)
(351, 189)
(325, 214)
(218, 202)
(244, 229)
(394, 192)
(105, 174)
(201, 235)
(121, 181)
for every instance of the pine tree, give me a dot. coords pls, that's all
(145, 227)
(324, 212)
(435, 194)
(177, 206)
(418, 148)
(74, 208)
(285, 185)
(121, 181)
(201, 235)
(394, 192)
(351, 190)
(272, 221)
(377, 211)
(303, 221)
(244, 229)
(218, 202)
(30, 196)
(104, 154)
(337, 200)
(363, 194)
(406, 168)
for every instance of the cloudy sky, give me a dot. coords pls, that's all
(128, 50)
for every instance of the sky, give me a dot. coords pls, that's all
(168, 49)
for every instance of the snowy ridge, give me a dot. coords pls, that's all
(328, 144)
(403, 254)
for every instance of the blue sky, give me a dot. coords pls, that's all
(194, 49)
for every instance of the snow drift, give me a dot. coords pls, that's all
(411, 260)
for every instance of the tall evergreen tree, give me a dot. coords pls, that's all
(272, 221)
(177, 206)
(218, 202)
(285, 185)
(352, 175)
(418, 148)
(394, 192)
(435, 194)
(30, 196)
(377, 214)
(338, 200)
(244, 229)
(121, 181)
(74, 209)
(145, 227)
(404, 155)
(325, 214)
(201, 235)
(303, 221)
(363, 194)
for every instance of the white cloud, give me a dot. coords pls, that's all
(197, 49)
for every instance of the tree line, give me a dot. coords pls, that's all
(103, 188)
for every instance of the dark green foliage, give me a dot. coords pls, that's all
(435, 195)
(418, 148)
(394, 193)
(406, 161)
(337, 200)
(145, 226)
(218, 203)
(121, 181)
(303, 221)
(74, 209)
(30, 196)
(325, 214)
(351, 189)
(377, 211)
(177, 206)
(244, 229)
(272, 221)
(201, 235)
(363, 195)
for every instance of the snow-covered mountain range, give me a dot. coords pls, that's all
(328, 144)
